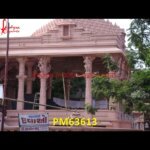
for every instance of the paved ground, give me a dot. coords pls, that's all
(68, 129)
(56, 128)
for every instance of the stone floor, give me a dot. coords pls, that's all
(74, 129)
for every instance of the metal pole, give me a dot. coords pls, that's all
(64, 90)
(5, 78)
(11, 99)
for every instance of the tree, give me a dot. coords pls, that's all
(140, 81)
(139, 39)
(139, 46)
(134, 93)
(109, 63)
(103, 87)
(132, 58)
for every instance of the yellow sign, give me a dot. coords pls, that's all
(74, 121)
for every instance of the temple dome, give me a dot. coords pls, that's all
(94, 26)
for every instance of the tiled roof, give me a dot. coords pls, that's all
(95, 26)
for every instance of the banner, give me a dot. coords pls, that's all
(102, 104)
(33, 122)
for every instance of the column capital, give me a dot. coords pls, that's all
(21, 59)
(88, 63)
(88, 58)
(44, 64)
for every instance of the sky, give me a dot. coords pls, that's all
(28, 26)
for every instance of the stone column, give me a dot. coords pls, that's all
(123, 70)
(21, 78)
(29, 77)
(44, 66)
(119, 68)
(49, 92)
(88, 77)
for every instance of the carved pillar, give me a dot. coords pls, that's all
(123, 70)
(49, 92)
(29, 77)
(21, 78)
(88, 77)
(119, 66)
(44, 66)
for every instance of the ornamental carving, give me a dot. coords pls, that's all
(44, 64)
(88, 63)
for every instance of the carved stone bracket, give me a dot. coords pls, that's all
(88, 63)
(44, 64)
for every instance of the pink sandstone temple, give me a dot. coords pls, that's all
(63, 45)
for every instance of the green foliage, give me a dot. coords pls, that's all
(138, 54)
(57, 88)
(109, 63)
(133, 93)
(132, 58)
(90, 109)
(136, 91)
(77, 83)
(101, 88)
(139, 39)
(36, 85)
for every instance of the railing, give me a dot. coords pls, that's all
(133, 119)
(138, 122)
(123, 116)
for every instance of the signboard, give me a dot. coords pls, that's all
(1, 92)
(33, 122)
